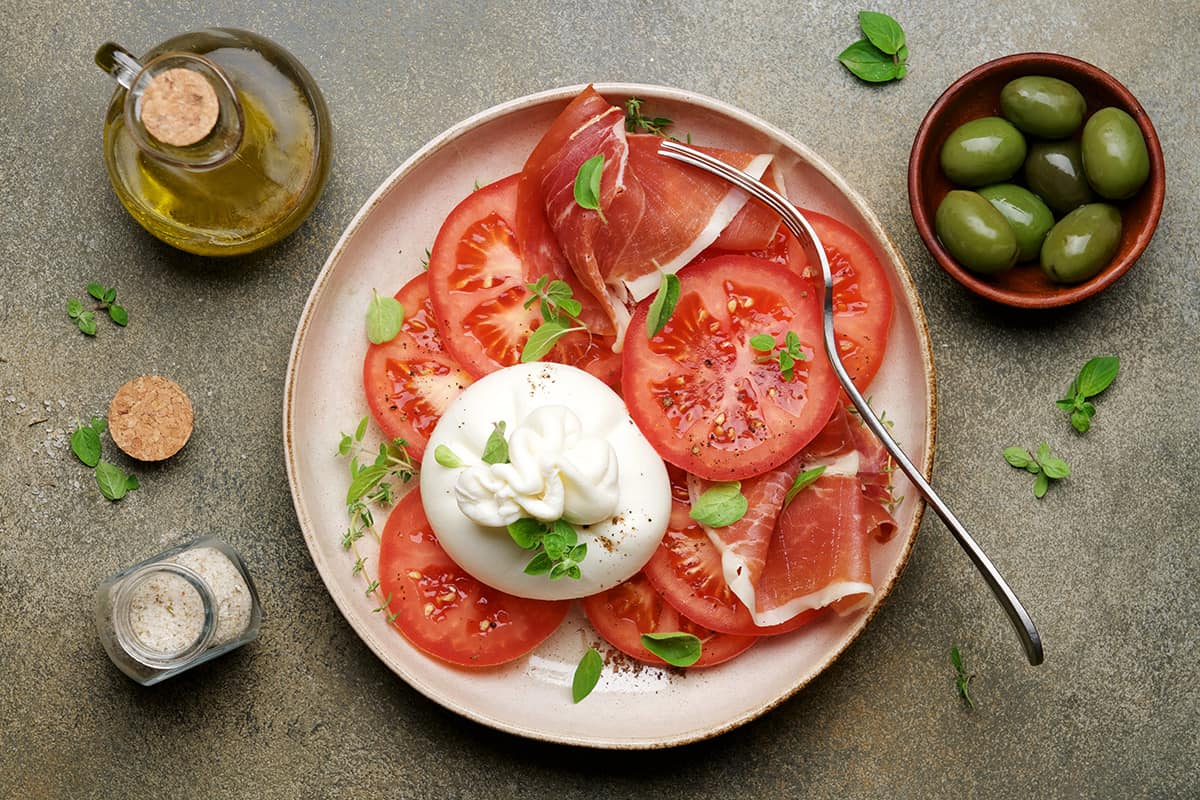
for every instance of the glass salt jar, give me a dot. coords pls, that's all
(180, 608)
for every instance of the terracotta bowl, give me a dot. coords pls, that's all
(977, 94)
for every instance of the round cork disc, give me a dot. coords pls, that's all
(150, 418)
(179, 107)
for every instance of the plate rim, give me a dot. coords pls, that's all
(427, 151)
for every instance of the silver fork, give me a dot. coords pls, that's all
(799, 226)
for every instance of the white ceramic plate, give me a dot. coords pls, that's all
(382, 248)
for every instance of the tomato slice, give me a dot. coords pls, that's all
(623, 613)
(443, 610)
(686, 571)
(862, 296)
(705, 399)
(411, 379)
(477, 282)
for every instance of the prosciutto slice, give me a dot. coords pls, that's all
(655, 214)
(781, 562)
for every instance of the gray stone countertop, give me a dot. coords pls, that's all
(1107, 561)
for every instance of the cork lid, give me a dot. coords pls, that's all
(179, 107)
(150, 418)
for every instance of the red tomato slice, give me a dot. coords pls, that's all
(477, 282)
(862, 296)
(703, 397)
(446, 612)
(623, 613)
(411, 379)
(686, 571)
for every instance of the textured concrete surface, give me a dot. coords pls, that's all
(1107, 562)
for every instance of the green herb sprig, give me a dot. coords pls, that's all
(663, 304)
(556, 546)
(106, 300)
(587, 674)
(1043, 465)
(371, 484)
(1096, 376)
(587, 185)
(560, 316)
(112, 480)
(786, 354)
(677, 649)
(880, 57)
(962, 679)
(722, 504)
(635, 121)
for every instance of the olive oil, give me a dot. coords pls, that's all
(260, 190)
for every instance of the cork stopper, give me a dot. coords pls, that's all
(179, 107)
(150, 418)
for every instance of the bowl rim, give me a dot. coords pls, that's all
(918, 158)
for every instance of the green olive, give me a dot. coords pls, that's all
(975, 233)
(1082, 243)
(1045, 107)
(1115, 159)
(1054, 171)
(983, 151)
(1025, 212)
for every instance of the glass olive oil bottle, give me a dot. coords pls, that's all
(217, 142)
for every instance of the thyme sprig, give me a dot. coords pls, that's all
(372, 484)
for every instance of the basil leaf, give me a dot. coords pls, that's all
(85, 444)
(1081, 421)
(345, 444)
(361, 430)
(1043, 452)
(1066, 404)
(110, 295)
(496, 449)
(663, 305)
(883, 31)
(1055, 468)
(540, 565)
(723, 504)
(762, 342)
(87, 323)
(868, 62)
(1097, 374)
(385, 317)
(1040, 484)
(527, 532)
(587, 674)
(802, 482)
(365, 480)
(446, 457)
(902, 66)
(956, 658)
(574, 572)
(558, 571)
(787, 365)
(96, 291)
(119, 315)
(578, 553)
(677, 649)
(99, 424)
(74, 308)
(131, 483)
(542, 340)
(587, 184)
(1017, 457)
(555, 547)
(113, 482)
(566, 531)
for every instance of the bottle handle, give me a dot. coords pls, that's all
(119, 63)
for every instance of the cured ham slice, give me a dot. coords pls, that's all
(819, 554)
(755, 225)
(764, 553)
(654, 214)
